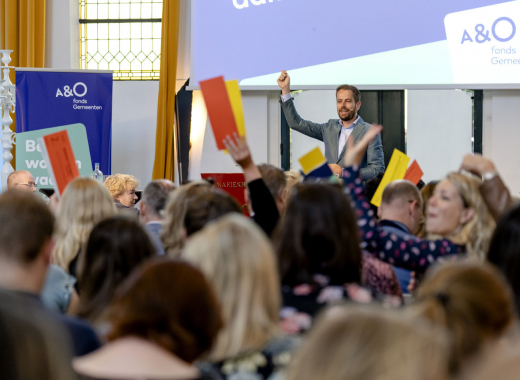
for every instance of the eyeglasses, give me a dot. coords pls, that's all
(29, 184)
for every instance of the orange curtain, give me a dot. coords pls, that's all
(163, 166)
(22, 29)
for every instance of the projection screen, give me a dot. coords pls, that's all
(384, 44)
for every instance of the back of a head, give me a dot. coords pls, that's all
(239, 262)
(318, 233)
(84, 203)
(478, 231)
(358, 343)
(472, 300)
(33, 345)
(401, 190)
(293, 178)
(156, 194)
(207, 207)
(157, 304)
(116, 247)
(504, 250)
(172, 234)
(26, 224)
(274, 179)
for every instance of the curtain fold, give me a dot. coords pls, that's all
(22, 29)
(164, 165)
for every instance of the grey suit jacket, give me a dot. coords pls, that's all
(374, 160)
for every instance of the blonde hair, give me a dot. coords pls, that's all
(472, 300)
(175, 212)
(293, 178)
(85, 202)
(476, 234)
(239, 261)
(117, 184)
(367, 342)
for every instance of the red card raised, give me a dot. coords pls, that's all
(219, 109)
(414, 173)
(60, 159)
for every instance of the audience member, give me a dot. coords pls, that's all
(473, 301)
(21, 180)
(122, 189)
(25, 258)
(293, 178)
(493, 190)
(84, 203)
(371, 186)
(265, 205)
(33, 344)
(164, 317)
(153, 202)
(456, 212)
(173, 234)
(58, 293)
(319, 255)
(239, 262)
(504, 250)
(274, 179)
(360, 343)
(400, 213)
(116, 247)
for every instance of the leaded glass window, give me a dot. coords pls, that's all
(121, 35)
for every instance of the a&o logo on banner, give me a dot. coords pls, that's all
(484, 44)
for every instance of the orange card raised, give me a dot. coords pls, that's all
(60, 159)
(220, 113)
(414, 173)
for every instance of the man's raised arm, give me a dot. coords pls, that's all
(294, 120)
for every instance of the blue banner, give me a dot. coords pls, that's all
(47, 99)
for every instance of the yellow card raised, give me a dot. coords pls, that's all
(235, 98)
(312, 160)
(396, 170)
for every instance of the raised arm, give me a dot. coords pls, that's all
(308, 128)
(266, 212)
(406, 251)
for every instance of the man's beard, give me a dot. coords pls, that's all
(350, 115)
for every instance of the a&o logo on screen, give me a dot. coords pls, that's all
(79, 90)
(482, 34)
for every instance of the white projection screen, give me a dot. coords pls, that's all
(383, 44)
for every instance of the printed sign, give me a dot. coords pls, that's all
(29, 153)
(47, 99)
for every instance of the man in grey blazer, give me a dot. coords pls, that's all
(335, 132)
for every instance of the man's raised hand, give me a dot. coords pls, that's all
(284, 81)
(355, 153)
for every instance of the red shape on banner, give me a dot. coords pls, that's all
(232, 183)
(219, 109)
(414, 173)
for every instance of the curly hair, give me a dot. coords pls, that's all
(477, 232)
(117, 184)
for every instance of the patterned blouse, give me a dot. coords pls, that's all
(302, 303)
(265, 363)
(405, 251)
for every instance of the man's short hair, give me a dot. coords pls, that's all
(117, 184)
(26, 223)
(11, 179)
(354, 89)
(401, 189)
(274, 179)
(156, 194)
